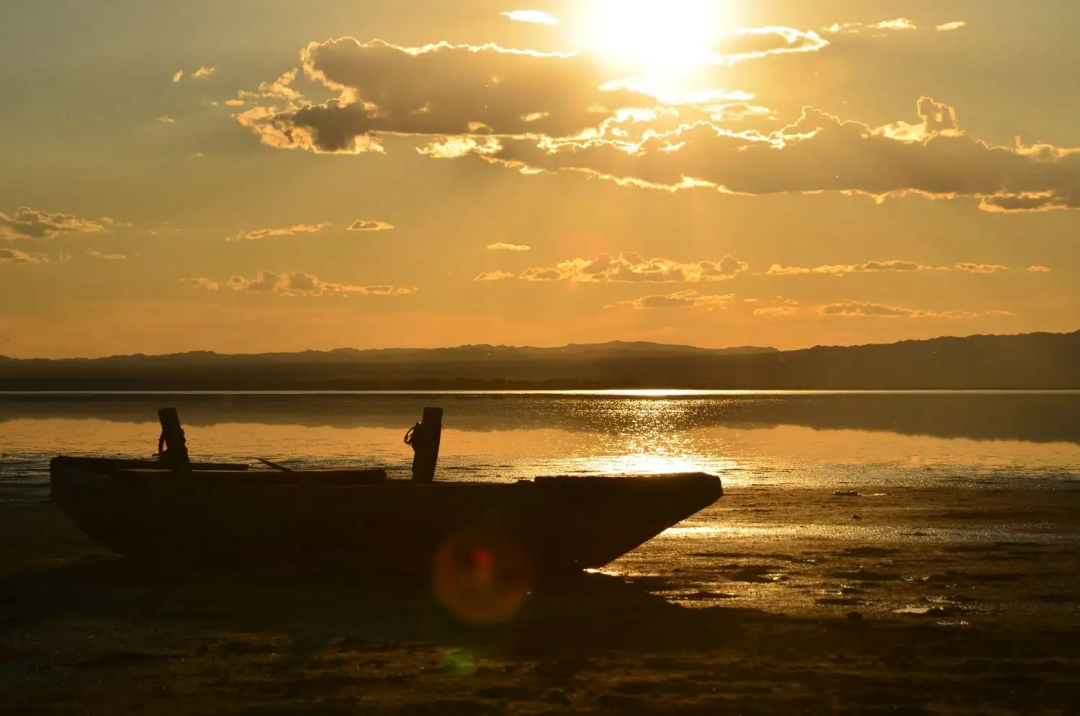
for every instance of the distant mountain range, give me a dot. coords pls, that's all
(460, 354)
(1033, 361)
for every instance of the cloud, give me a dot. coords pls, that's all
(293, 130)
(737, 112)
(95, 254)
(508, 247)
(776, 311)
(202, 73)
(682, 299)
(980, 268)
(630, 267)
(31, 224)
(856, 309)
(821, 153)
(454, 147)
(541, 274)
(1027, 202)
(938, 120)
(1038, 269)
(1002, 314)
(289, 231)
(882, 267)
(299, 283)
(493, 276)
(841, 270)
(14, 256)
(281, 88)
(208, 284)
(849, 27)
(533, 16)
(437, 90)
(166, 119)
(370, 225)
(900, 23)
(463, 91)
(728, 267)
(758, 42)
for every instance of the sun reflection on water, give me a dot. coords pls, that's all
(648, 441)
(790, 442)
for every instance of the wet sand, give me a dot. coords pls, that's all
(917, 601)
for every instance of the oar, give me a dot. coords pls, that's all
(274, 465)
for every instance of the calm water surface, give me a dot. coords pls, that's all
(784, 440)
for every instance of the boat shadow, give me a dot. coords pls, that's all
(593, 615)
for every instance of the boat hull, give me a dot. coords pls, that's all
(312, 523)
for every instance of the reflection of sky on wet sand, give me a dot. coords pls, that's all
(880, 552)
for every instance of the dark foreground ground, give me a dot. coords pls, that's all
(777, 625)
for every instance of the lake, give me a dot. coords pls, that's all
(781, 440)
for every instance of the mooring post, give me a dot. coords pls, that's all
(424, 439)
(172, 446)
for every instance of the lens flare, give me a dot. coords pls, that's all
(460, 663)
(482, 577)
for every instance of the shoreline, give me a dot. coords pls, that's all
(641, 392)
(790, 607)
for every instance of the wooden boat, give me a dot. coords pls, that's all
(360, 522)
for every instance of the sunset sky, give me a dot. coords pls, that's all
(277, 175)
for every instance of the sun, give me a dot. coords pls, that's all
(658, 36)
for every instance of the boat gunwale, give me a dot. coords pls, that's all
(251, 478)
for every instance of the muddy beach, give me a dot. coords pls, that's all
(916, 601)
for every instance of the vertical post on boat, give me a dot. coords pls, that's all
(172, 446)
(424, 438)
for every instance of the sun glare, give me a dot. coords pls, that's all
(658, 36)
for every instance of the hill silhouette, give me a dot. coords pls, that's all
(1034, 361)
